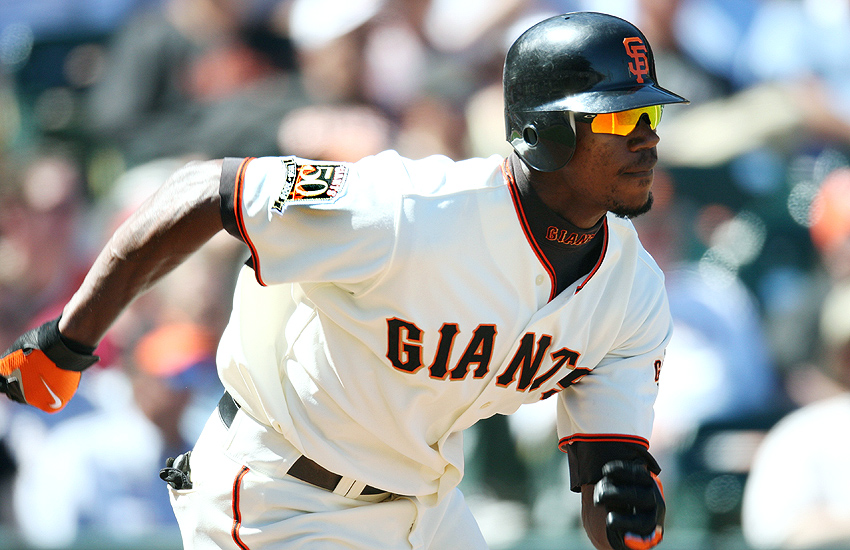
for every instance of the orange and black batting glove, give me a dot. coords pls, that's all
(41, 368)
(634, 499)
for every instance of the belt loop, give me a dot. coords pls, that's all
(344, 486)
(356, 489)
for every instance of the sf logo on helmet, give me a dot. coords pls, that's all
(636, 49)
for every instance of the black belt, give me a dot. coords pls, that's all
(303, 468)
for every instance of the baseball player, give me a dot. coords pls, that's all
(389, 304)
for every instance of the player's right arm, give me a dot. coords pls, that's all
(43, 367)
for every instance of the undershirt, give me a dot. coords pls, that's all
(572, 251)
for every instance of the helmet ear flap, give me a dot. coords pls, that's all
(544, 140)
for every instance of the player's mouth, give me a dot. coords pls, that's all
(639, 173)
(643, 169)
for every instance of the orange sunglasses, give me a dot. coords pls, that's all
(621, 123)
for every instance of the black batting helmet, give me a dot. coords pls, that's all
(577, 62)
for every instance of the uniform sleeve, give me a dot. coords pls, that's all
(608, 415)
(312, 221)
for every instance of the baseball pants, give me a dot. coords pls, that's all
(243, 499)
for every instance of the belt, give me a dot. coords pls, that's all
(303, 468)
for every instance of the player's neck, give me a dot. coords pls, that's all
(557, 196)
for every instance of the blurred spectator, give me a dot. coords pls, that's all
(788, 65)
(43, 252)
(72, 479)
(205, 77)
(718, 365)
(49, 19)
(175, 383)
(370, 66)
(662, 21)
(337, 132)
(329, 37)
(830, 223)
(96, 474)
(796, 495)
(43, 255)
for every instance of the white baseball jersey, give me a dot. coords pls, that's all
(391, 303)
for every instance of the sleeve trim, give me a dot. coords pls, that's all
(586, 457)
(565, 442)
(231, 189)
(226, 191)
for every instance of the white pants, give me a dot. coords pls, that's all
(242, 499)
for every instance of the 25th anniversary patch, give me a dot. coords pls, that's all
(308, 182)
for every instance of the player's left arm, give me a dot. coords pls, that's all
(622, 502)
(43, 366)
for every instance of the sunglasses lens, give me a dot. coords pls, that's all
(623, 122)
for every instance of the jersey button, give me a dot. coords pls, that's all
(539, 280)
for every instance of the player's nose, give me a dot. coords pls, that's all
(643, 136)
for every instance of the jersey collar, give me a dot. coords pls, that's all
(566, 252)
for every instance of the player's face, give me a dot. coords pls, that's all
(608, 173)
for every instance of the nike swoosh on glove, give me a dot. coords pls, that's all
(39, 369)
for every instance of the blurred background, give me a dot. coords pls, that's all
(100, 100)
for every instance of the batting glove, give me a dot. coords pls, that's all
(178, 471)
(40, 369)
(634, 499)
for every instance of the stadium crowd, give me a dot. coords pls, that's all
(101, 99)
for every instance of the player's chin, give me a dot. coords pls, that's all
(634, 209)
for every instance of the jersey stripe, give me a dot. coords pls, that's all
(238, 189)
(237, 513)
(523, 221)
(601, 256)
(593, 438)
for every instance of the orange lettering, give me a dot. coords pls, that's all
(636, 49)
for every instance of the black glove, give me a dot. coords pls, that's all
(40, 368)
(633, 497)
(177, 472)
